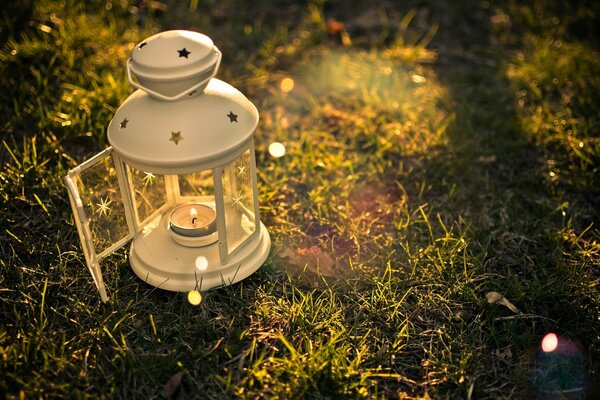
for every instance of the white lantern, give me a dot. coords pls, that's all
(179, 180)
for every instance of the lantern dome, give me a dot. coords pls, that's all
(173, 137)
(182, 119)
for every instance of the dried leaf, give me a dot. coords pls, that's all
(493, 297)
(286, 253)
(504, 354)
(497, 298)
(319, 261)
(313, 259)
(173, 388)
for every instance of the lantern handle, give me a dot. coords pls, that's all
(190, 90)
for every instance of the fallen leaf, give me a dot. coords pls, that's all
(497, 298)
(286, 253)
(173, 388)
(313, 259)
(504, 354)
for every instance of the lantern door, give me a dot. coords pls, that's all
(103, 219)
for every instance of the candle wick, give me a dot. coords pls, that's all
(194, 220)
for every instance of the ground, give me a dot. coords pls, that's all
(434, 218)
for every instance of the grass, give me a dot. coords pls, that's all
(435, 152)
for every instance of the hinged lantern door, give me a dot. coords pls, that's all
(103, 219)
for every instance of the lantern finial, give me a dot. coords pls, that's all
(173, 65)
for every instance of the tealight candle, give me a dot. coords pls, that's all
(193, 220)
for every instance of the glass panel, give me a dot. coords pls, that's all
(98, 188)
(238, 198)
(197, 184)
(99, 211)
(149, 192)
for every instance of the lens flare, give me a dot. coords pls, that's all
(276, 149)
(418, 78)
(550, 343)
(201, 263)
(560, 369)
(287, 85)
(194, 297)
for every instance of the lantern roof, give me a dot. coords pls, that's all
(176, 137)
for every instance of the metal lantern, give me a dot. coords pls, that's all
(179, 180)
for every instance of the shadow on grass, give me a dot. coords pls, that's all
(515, 221)
(488, 183)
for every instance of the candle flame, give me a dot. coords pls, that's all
(194, 215)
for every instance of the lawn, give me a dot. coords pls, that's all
(435, 218)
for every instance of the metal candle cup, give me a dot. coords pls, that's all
(193, 220)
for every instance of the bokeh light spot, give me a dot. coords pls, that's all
(276, 149)
(194, 297)
(201, 263)
(550, 343)
(418, 78)
(287, 85)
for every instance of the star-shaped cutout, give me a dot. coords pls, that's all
(241, 170)
(184, 53)
(176, 137)
(232, 117)
(123, 124)
(103, 207)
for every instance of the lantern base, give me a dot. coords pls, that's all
(159, 261)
